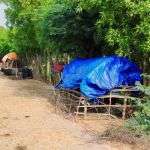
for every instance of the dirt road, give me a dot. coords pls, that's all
(28, 121)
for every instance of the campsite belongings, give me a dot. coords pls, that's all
(57, 68)
(10, 56)
(96, 77)
(11, 65)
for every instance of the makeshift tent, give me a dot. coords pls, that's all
(10, 56)
(97, 76)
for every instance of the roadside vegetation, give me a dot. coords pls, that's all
(140, 123)
(5, 45)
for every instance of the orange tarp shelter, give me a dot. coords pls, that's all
(11, 56)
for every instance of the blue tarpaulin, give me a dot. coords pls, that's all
(97, 76)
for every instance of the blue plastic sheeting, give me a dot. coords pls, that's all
(97, 76)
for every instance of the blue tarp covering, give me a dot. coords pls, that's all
(97, 76)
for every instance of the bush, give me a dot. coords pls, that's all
(140, 122)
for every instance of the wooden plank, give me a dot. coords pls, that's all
(78, 113)
(93, 106)
(116, 96)
(125, 90)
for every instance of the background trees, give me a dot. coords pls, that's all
(80, 28)
(5, 45)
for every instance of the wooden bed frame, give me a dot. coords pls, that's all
(73, 102)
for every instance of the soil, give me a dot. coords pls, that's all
(28, 121)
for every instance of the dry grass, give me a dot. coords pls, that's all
(126, 136)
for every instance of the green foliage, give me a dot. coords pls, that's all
(5, 45)
(22, 28)
(81, 28)
(141, 120)
(126, 25)
(99, 27)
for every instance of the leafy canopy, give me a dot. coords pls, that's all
(88, 27)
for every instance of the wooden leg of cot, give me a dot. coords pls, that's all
(78, 107)
(85, 109)
(70, 103)
(109, 108)
(124, 108)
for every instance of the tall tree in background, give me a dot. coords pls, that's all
(5, 45)
(125, 26)
(19, 20)
(81, 27)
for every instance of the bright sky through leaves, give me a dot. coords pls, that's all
(2, 15)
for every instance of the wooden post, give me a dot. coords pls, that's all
(70, 103)
(78, 107)
(15, 68)
(124, 108)
(85, 109)
(109, 109)
(48, 69)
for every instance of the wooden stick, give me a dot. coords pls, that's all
(124, 109)
(101, 106)
(109, 109)
(85, 109)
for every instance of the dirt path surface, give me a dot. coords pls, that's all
(28, 121)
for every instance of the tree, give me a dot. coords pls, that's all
(5, 45)
(22, 28)
(81, 27)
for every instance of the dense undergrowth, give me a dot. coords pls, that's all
(140, 122)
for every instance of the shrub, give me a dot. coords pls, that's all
(140, 122)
